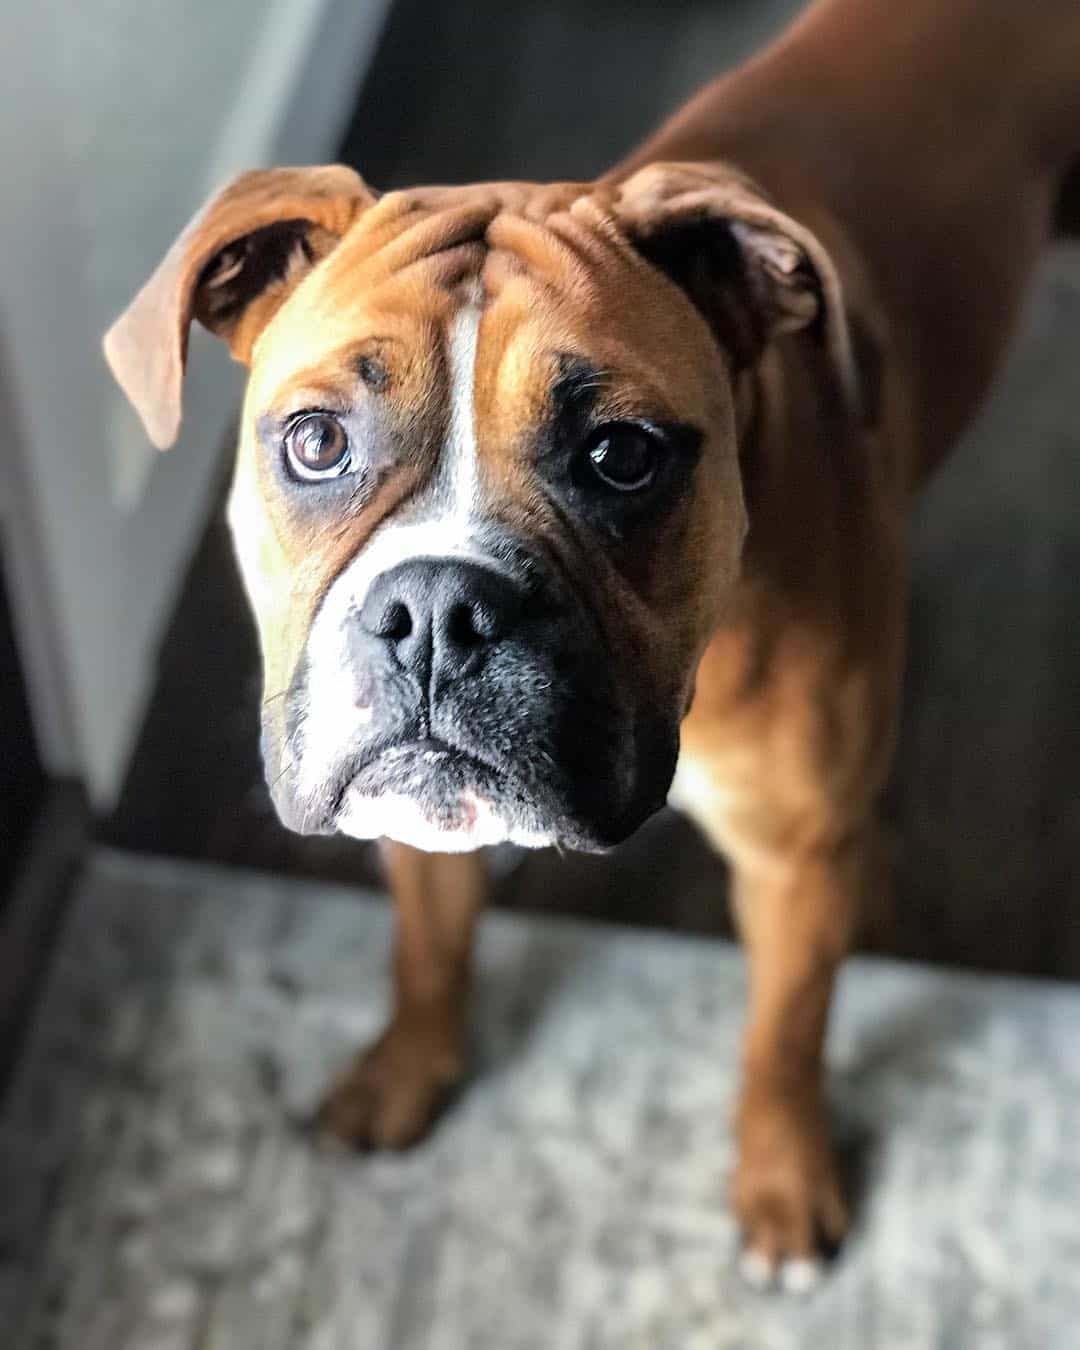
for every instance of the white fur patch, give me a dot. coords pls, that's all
(395, 815)
(702, 795)
(445, 527)
(459, 469)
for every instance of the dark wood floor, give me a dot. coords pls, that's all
(982, 819)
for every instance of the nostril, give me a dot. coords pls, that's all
(395, 622)
(470, 625)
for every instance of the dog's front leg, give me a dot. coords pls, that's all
(394, 1089)
(796, 915)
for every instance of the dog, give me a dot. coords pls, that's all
(554, 501)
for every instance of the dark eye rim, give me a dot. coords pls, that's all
(304, 473)
(648, 432)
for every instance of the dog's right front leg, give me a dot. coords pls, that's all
(392, 1092)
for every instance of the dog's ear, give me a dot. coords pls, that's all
(231, 269)
(751, 271)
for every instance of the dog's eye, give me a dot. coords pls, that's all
(623, 457)
(318, 446)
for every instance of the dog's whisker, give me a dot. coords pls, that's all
(291, 765)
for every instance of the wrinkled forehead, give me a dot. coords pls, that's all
(545, 268)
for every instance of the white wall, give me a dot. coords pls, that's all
(117, 118)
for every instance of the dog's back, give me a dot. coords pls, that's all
(936, 147)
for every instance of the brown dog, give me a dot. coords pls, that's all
(543, 489)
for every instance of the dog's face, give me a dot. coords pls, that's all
(487, 502)
(486, 511)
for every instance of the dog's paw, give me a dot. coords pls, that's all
(390, 1095)
(786, 1190)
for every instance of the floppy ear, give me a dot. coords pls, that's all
(232, 268)
(752, 271)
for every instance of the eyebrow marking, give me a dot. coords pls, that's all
(373, 373)
(577, 375)
(341, 374)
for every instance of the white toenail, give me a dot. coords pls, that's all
(756, 1269)
(801, 1276)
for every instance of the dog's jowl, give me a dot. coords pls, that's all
(553, 499)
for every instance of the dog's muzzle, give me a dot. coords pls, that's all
(463, 703)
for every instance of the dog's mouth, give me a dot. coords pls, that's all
(426, 765)
(434, 795)
(534, 750)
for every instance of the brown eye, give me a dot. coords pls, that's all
(624, 457)
(318, 447)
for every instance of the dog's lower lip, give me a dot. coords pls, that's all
(451, 784)
(425, 744)
(421, 745)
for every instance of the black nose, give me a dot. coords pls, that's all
(441, 617)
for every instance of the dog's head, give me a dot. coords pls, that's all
(487, 503)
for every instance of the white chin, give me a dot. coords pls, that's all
(392, 815)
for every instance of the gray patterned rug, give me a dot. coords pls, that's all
(157, 1191)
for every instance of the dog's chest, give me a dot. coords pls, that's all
(702, 791)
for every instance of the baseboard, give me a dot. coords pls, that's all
(35, 909)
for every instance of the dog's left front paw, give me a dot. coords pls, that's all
(786, 1188)
(391, 1094)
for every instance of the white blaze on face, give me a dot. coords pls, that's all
(460, 466)
(445, 525)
